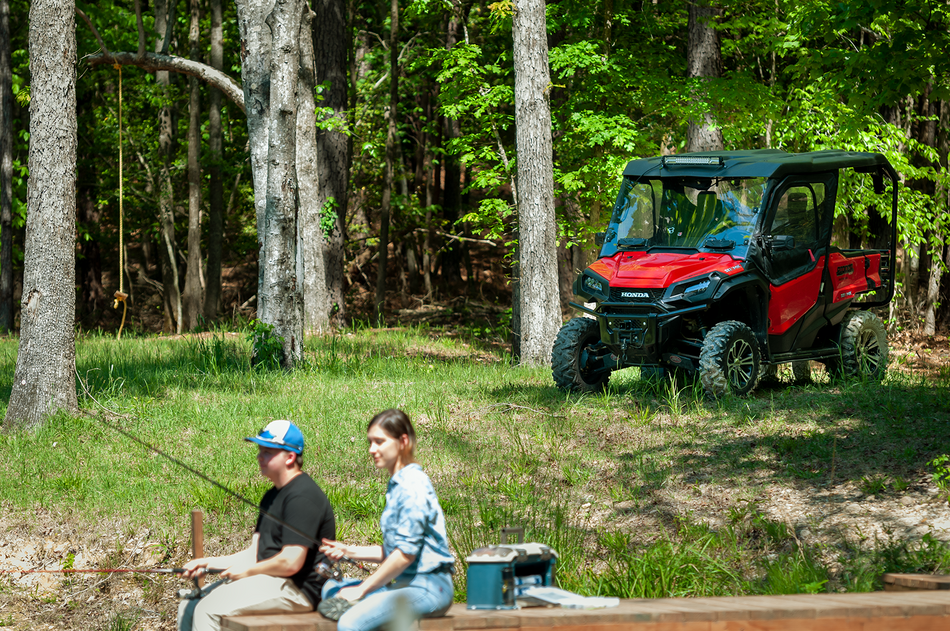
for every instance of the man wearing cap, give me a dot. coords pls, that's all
(276, 572)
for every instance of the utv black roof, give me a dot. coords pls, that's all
(756, 163)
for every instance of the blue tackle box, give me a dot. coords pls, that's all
(498, 574)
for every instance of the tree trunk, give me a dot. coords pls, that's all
(44, 380)
(704, 62)
(311, 244)
(333, 145)
(538, 286)
(255, 78)
(280, 301)
(191, 299)
(167, 246)
(428, 173)
(389, 173)
(93, 294)
(6, 172)
(452, 192)
(216, 182)
(941, 199)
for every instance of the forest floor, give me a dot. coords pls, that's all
(850, 510)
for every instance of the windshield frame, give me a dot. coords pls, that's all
(686, 214)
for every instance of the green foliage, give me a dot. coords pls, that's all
(941, 473)
(123, 621)
(268, 347)
(862, 569)
(873, 485)
(328, 217)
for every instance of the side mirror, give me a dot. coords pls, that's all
(782, 242)
(599, 238)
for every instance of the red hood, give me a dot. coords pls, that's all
(659, 270)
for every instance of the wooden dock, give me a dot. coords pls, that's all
(877, 611)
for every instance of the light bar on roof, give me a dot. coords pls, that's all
(672, 161)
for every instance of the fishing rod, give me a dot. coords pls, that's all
(188, 468)
(170, 570)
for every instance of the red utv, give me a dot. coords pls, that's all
(722, 265)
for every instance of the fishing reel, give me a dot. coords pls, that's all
(192, 594)
(332, 569)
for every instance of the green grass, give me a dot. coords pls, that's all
(595, 476)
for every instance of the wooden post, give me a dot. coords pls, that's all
(197, 539)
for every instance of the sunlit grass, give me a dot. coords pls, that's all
(503, 446)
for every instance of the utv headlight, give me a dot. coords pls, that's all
(593, 284)
(698, 287)
(694, 287)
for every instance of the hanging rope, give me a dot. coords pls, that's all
(120, 295)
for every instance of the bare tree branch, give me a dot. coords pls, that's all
(155, 61)
(92, 28)
(455, 237)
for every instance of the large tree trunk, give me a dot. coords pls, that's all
(452, 193)
(44, 379)
(389, 172)
(280, 298)
(540, 311)
(333, 145)
(212, 304)
(310, 240)
(167, 246)
(704, 61)
(6, 172)
(194, 292)
(255, 78)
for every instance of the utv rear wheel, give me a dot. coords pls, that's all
(729, 360)
(579, 360)
(864, 351)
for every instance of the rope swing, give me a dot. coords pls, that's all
(120, 295)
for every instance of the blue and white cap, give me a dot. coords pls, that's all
(280, 435)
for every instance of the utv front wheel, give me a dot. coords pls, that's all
(729, 360)
(580, 360)
(864, 349)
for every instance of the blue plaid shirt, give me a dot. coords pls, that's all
(413, 522)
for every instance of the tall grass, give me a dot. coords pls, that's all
(590, 475)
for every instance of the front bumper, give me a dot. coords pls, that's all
(636, 336)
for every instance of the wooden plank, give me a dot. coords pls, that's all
(480, 618)
(912, 582)
(312, 621)
(879, 611)
(924, 623)
(628, 626)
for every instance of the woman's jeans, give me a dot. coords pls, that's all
(424, 596)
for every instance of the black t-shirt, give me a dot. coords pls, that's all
(303, 505)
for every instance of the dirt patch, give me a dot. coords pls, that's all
(927, 355)
(45, 541)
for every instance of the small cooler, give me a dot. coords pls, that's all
(497, 574)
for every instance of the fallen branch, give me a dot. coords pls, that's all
(511, 406)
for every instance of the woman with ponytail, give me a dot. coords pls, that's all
(415, 563)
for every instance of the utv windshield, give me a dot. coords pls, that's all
(716, 215)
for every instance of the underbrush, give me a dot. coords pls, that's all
(609, 480)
